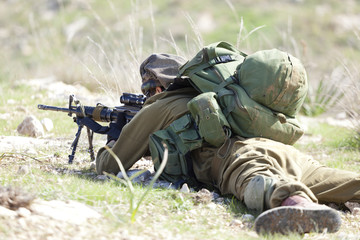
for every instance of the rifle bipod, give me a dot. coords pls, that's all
(74, 144)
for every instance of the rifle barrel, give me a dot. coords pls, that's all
(106, 114)
(56, 109)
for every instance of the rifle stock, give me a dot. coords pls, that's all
(132, 103)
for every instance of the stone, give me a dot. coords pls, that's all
(352, 205)
(14, 198)
(31, 151)
(203, 196)
(31, 126)
(93, 165)
(248, 218)
(47, 124)
(11, 101)
(185, 188)
(5, 116)
(141, 178)
(163, 184)
(23, 212)
(356, 211)
(7, 212)
(236, 223)
(71, 211)
(102, 178)
(212, 206)
(23, 170)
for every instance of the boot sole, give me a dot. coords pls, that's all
(285, 220)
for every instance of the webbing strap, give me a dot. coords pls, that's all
(230, 105)
(216, 60)
(225, 83)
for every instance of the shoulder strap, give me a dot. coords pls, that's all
(215, 53)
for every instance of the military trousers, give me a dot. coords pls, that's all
(231, 167)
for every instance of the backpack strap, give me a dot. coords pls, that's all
(230, 105)
(226, 82)
(216, 53)
(213, 62)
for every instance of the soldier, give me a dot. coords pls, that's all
(270, 177)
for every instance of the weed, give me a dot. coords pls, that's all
(134, 206)
(324, 96)
(236, 207)
(181, 203)
(352, 99)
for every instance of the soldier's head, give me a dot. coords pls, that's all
(158, 71)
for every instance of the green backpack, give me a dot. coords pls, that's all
(259, 95)
(252, 96)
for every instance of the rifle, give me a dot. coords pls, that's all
(89, 116)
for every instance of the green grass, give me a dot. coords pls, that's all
(338, 147)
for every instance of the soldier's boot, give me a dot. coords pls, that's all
(298, 215)
(257, 193)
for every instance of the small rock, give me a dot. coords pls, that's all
(163, 184)
(203, 196)
(7, 212)
(141, 178)
(341, 115)
(93, 165)
(356, 211)
(70, 211)
(21, 109)
(347, 236)
(185, 188)
(248, 217)
(333, 206)
(31, 126)
(352, 206)
(219, 200)
(14, 198)
(23, 212)
(215, 195)
(101, 177)
(5, 116)
(11, 101)
(47, 124)
(22, 223)
(23, 170)
(31, 151)
(212, 206)
(236, 223)
(341, 235)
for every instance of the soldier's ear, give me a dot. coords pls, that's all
(158, 90)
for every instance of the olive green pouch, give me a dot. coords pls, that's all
(180, 138)
(212, 124)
